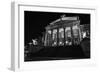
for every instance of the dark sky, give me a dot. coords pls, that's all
(35, 22)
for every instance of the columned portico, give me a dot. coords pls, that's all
(63, 31)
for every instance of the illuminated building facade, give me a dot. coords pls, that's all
(63, 31)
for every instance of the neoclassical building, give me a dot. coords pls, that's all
(63, 31)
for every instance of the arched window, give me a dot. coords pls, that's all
(76, 36)
(49, 37)
(68, 38)
(75, 31)
(54, 37)
(61, 36)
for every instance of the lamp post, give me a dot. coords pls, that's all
(30, 44)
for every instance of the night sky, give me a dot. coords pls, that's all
(35, 22)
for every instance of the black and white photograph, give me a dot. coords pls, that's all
(47, 36)
(56, 36)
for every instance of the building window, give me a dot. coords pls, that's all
(54, 37)
(75, 30)
(61, 36)
(68, 38)
(49, 38)
(76, 34)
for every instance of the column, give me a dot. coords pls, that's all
(80, 33)
(72, 35)
(64, 37)
(45, 43)
(57, 36)
(51, 37)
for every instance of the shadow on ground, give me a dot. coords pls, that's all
(57, 53)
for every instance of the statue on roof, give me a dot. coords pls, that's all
(63, 15)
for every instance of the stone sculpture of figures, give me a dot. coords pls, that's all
(34, 41)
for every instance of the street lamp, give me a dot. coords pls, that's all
(30, 43)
